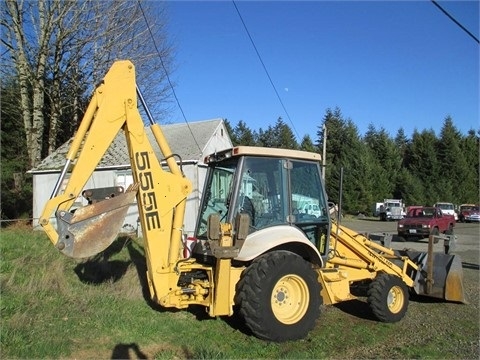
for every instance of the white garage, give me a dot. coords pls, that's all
(192, 142)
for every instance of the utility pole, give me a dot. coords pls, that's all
(324, 161)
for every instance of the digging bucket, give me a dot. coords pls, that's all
(92, 228)
(440, 275)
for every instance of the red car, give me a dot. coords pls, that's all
(421, 222)
(468, 213)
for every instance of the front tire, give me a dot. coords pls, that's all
(388, 298)
(278, 297)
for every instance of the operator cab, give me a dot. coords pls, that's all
(272, 186)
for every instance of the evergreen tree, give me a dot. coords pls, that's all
(230, 132)
(278, 136)
(265, 137)
(285, 136)
(242, 135)
(346, 151)
(422, 170)
(385, 162)
(423, 165)
(307, 145)
(401, 143)
(453, 167)
(16, 185)
(409, 188)
(469, 184)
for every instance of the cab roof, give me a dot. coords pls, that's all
(264, 151)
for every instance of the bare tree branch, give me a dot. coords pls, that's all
(59, 50)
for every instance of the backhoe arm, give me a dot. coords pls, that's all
(161, 195)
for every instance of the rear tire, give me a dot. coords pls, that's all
(388, 298)
(278, 297)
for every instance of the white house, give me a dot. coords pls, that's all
(191, 141)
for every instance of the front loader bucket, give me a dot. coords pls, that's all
(440, 275)
(92, 228)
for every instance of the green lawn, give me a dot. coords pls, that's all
(56, 307)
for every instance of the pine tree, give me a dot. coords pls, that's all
(307, 144)
(285, 136)
(242, 135)
(453, 167)
(230, 132)
(470, 150)
(16, 186)
(422, 163)
(409, 188)
(346, 151)
(386, 161)
(278, 136)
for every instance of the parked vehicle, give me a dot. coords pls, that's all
(447, 208)
(464, 212)
(425, 221)
(312, 209)
(473, 215)
(411, 207)
(389, 209)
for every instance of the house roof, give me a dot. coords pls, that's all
(187, 140)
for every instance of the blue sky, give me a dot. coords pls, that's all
(392, 64)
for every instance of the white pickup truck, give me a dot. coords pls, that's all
(447, 208)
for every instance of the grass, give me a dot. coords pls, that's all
(56, 307)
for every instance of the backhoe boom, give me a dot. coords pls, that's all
(161, 195)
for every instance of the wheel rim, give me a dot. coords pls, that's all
(290, 299)
(395, 299)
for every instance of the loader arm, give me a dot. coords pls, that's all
(426, 273)
(361, 255)
(161, 195)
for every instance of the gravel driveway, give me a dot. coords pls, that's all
(467, 237)
(454, 325)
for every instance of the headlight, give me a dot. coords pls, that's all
(426, 226)
(400, 226)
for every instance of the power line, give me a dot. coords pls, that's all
(264, 67)
(455, 21)
(166, 73)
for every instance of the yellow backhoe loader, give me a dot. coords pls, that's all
(265, 245)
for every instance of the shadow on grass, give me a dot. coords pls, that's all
(357, 308)
(122, 351)
(237, 323)
(100, 269)
(103, 269)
